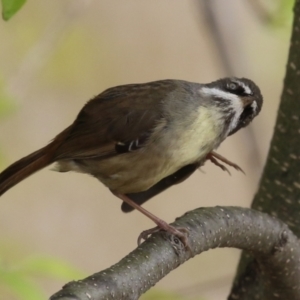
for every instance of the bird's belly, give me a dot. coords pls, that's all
(133, 172)
(139, 170)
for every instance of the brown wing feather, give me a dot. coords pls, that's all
(122, 113)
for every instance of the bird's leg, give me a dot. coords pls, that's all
(214, 157)
(181, 233)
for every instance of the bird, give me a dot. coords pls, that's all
(141, 139)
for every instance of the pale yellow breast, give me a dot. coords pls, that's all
(192, 141)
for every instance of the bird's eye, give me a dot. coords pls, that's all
(236, 89)
(232, 86)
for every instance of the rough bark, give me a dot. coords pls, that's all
(279, 191)
(275, 247)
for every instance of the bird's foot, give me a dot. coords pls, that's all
(215, 158)
(180, 232)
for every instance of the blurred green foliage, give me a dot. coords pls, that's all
(283, 14)
(19, 280)
(10, 7)
(74, 67)
(6, 102)
(157, 294)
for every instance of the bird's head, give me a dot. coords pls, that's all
(239, 99)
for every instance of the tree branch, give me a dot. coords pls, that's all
(279, 190)
(269, 240)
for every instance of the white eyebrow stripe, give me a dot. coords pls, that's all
(220, 94)
(247, 89)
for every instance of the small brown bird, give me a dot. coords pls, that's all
(140, 139)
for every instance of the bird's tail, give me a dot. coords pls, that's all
(25, 167)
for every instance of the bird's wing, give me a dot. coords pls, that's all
(118, 120)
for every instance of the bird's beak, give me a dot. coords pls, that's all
(246, 101)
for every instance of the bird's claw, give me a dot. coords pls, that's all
(215, 158)
(181, 233)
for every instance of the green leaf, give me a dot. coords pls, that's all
(10, 7)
